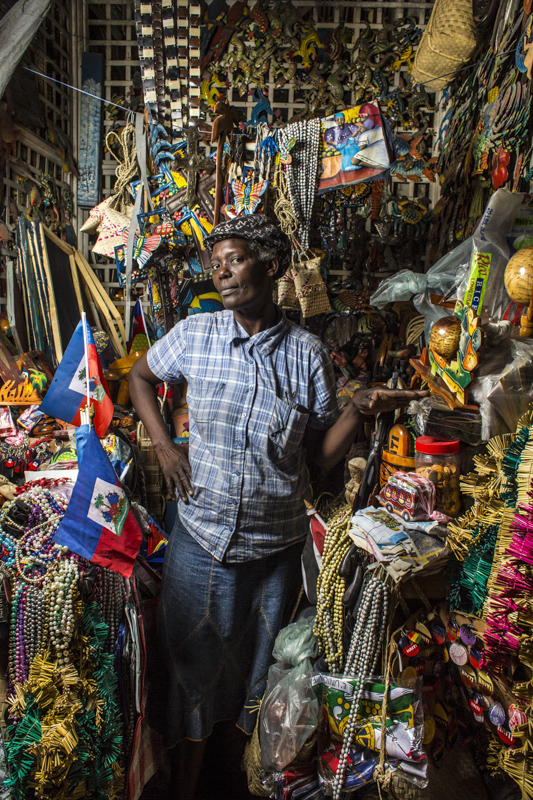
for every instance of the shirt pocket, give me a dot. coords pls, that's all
(286, 430)
(204, 400)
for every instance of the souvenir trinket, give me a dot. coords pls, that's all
(458, 654)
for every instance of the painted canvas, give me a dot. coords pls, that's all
(355, 146)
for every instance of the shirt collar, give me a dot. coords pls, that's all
(266, 341)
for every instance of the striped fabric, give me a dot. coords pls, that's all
(250, 400)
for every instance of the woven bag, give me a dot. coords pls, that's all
(96, 216)
(310, 288)
(251, 764)
(447, 43)
(111, 232)
(286, 292)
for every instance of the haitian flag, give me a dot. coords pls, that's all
(99, 524)
(67, 394)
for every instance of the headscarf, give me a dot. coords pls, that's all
(255, 228)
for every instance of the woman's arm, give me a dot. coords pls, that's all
(172, 458)
(327, 448)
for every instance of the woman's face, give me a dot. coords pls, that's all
(241, 280)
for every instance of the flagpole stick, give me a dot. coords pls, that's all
(145, 326)
(86, 348)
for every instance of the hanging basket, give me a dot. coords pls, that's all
(310, 289)
(447, 43)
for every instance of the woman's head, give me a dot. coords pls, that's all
(266, 240)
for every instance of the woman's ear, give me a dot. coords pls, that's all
(273, 268)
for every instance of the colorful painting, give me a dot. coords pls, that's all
(355, 147)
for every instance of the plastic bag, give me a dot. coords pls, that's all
(289, 714)
(504, 386)
(442, 277)
(433, 417)
(505, 227)
(411, 496)
(296, 642)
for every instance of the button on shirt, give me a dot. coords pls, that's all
(250, 399)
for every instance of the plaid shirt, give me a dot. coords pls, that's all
(250, 399)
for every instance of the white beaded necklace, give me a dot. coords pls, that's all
(302, 170)
(365, 645)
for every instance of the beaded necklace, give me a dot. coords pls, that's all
(365, 646)
(302, 170)
(328, 627)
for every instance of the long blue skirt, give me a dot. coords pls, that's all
(215, 631)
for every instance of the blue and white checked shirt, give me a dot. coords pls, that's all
(250, 399)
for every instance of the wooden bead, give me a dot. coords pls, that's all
(518, 278)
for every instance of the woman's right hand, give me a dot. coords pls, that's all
(176, 469)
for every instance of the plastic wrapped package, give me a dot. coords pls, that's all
(289, 711)
(411, 496)
(404, 730)
(505, 227)
(504, 386)
(289, 714)
(433, 417)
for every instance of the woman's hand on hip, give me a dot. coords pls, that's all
(176, 469)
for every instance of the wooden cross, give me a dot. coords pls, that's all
(193, 164)
(226, 118)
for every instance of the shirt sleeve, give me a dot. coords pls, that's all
(166, 357)
(324, 409)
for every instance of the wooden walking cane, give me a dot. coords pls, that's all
(226, 119)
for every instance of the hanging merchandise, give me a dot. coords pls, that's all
(448, 42)
(355, 146)
(92, 67)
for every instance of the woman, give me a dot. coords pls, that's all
(261, 395)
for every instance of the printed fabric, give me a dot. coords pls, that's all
(250, 400)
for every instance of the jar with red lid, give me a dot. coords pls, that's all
(439, 460)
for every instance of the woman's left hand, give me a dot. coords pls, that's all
(380, 399)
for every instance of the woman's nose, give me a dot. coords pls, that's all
(224, 270)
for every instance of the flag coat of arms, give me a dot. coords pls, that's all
(67, 394)
(99, 524)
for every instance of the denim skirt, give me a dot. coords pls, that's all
(215, 631)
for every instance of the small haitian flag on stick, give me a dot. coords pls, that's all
(67, 394)
(99, 524)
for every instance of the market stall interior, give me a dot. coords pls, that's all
(371, 165)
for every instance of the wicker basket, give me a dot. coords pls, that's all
(447, 43)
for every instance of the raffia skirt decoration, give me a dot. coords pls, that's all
(447, 43)
(310, 288)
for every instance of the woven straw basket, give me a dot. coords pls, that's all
(447, 43)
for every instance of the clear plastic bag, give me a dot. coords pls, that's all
(443, 276)
(289, 714)
(296, 642)
(505, 227)
(504, 386)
